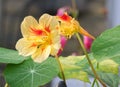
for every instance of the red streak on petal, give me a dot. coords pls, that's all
(65, 17)
(37, 32)
(33, 45)
(47, 29)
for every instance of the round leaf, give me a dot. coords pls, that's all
(107, 45)
(10, 56)
(31, 74)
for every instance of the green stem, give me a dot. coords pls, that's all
(93, 84)
(61, 70)
(6, 85)
(97, 83)
(73, 4)
(89, 61)
(74, 9)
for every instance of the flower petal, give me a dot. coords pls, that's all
(28, 23)
(56, 45)
(43, 55)
(45, 19)
(55, 36)
(48, 20)
(65, 17)
(55, 48)
(25, 47)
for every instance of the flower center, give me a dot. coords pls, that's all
(42, 36)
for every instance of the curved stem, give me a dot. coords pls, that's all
(6, 85)
(89, 61)
(61, 70)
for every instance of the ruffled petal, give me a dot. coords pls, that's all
(26, 47)
(40, 55)
(55, 48)
(55, 36)
(56, 45)
(27, 24)
(47, 20)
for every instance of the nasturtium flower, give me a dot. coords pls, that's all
(69, 26)
(40, 39)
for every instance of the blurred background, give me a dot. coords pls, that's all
(94, 15)
(91, 14)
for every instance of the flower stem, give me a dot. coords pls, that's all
(93, 84)
(61, 70)
(73, 4)
(97, 83)
(6, 85)
(89, 61)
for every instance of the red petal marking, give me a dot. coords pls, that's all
(65, 17)
(47, 29)
(33, 45)
(37, 32)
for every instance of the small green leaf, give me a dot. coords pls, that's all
(10, 56)
(74, 67)
(31, 74)
(77, 74)
(109, 66)
(107, 45)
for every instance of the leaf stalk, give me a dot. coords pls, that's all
(61, 70)
(89, 61)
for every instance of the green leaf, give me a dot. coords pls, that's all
(109, 66)
(74, 67)
(77, 67)
(10, 56)
(107, 45)
(110, 79)
(31, 74)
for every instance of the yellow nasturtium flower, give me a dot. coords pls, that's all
(40, 39)
(69, 26)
